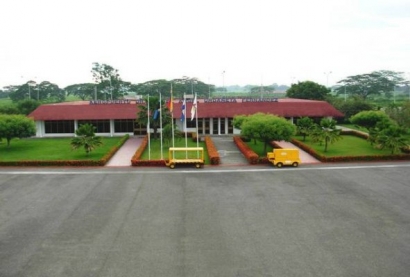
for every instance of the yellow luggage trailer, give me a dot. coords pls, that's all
(281, 157)
(185, 155)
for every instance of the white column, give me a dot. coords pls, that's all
(111, 126)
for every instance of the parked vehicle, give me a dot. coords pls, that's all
(185, 155)
(281, 157)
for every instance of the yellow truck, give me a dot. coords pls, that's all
(185, 155)
(281, 157)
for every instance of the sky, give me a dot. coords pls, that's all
(222, 42)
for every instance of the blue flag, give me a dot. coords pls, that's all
(183, 111)
(156, 114)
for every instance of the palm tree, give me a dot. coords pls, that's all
(329, 132)
(86, 138)
(392, 138)
(304, 125)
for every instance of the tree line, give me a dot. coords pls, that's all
(107, 85)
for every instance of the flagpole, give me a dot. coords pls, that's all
(172, 118)
(148, 133)
(196, 117)
(186, 134)
(160, 122)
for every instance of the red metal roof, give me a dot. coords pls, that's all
(283, 107)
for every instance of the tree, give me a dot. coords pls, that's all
(304, 126)
(16, 126)
(184, 85)
(374, 83)
(83, 91)
(48, 92)
(86, 138)
(45, 92)
(154, 105)
(108, 81)
(27, 106)
(267, 128)
(308, 90)
(371, 119)
(329, 132)
(392, 138)
(352, 106)
(259, 90)
(401, 114)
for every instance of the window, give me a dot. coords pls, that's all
(124, 125)
(191, 123)
(59, 126)
(102, 126)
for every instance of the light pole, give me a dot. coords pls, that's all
(30, 84)
(38, 92)
(327, 77)
(345, 92)
(223, 81)
(110, 87)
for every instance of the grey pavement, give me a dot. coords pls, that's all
(339, 220)
(229, 154)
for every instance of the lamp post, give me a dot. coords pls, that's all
(223, 81)
(327, 77)
(110, 87)
(345, 92)
(30, 84)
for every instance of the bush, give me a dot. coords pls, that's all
(249, 154)
(212, 151)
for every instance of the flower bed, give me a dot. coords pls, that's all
(212, 151)
(249, 154)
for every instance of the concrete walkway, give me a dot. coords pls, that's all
(229, 154)
(125, 153)
(304, 156)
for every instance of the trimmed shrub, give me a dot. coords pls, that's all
(212, 151)
(249, 154)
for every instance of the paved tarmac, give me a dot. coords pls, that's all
(314, 220)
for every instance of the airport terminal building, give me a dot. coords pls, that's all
(214, 116)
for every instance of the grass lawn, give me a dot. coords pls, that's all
(347, 146)
(258, 148)
(156, 149)
(51, 149)
(5, 102)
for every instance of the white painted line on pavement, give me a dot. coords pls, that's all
(200, 171)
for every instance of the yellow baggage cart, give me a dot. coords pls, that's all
(185, 155)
